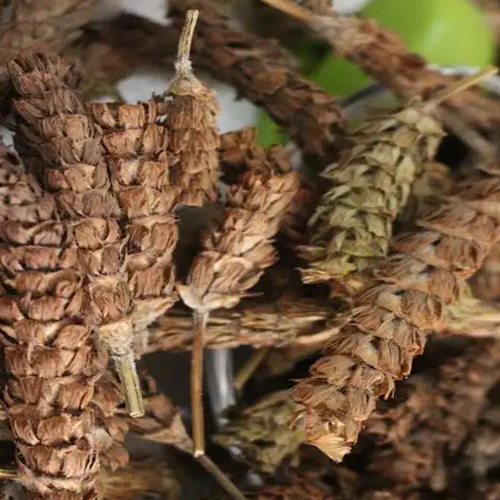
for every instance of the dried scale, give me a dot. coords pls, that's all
(261, 433)
(371, 183)
(256, 67)
(235, 255)
(190, 115)
(48, 349)
(48, 25)
(486, 283)
(384, 55)
(389, 324)
(62, 145)
(136, 153)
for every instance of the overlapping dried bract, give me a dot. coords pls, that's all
(236, 254)
(372, 182)
(257, 67)
(486, 283)
(47, 25)
(390, 319)
(136, 148)
(48, 350)
(56, 133)
(256, 323)
(433, 421)
(261, 433)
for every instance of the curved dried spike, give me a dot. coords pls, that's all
(390, 320)
(136, 152)
(49, 355)
(63, 146)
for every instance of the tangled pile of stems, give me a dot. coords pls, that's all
(89, 226)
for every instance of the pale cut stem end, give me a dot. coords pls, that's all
(250, 367)
(183, 63)
(200, 320)
(125, 366)
(221, 477)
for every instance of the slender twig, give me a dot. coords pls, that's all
(199, 327)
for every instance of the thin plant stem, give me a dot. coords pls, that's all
(250, 367)
(125, 366)
(221, 477)
(199, 327)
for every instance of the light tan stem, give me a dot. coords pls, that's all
(199, 326)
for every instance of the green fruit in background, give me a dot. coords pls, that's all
(268, 132)
(447, 32)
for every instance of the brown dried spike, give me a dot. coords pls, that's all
(294, 321)
(45, 25)
(236, 254)
(390, 321)
(190, 115)
(260, 70)
(372, 182)
(63, 146)
(438, 412)
(486, 283)
(48, 350)
(137, 159)
(298, 488)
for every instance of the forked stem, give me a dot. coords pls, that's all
(199, 327)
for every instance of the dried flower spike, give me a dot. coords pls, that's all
(295, 321)
(391, 318)
(63, 146)
(372, 182)
(49, 354)
(190, 115)
(137, 158)
(48, 25)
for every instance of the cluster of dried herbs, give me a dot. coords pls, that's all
(102, 263)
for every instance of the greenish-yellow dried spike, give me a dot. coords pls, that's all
(371, 183)
(261, 433)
